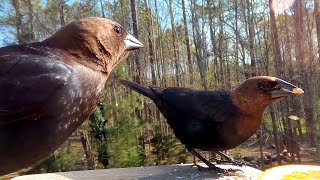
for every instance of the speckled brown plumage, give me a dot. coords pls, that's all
(49, 88)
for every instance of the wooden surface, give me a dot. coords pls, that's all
(146, 173)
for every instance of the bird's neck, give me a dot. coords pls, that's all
(87, 54)
(247, 105)
(251, 116)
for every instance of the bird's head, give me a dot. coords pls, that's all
(263, 90)
(99, 40)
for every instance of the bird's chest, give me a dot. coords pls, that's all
(76, 102)
(76, 106)
(243, 128)
(248, 125)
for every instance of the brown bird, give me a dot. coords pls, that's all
(216, 120)
(48, 88)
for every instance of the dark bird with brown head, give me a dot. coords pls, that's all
(216, 120)
(48, 88)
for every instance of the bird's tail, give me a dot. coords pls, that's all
(139, 88)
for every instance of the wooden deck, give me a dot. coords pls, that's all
(145, 173)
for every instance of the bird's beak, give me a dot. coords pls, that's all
(284, 88)
(132, 43)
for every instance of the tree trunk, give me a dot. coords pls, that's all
(215, 68)
(61, 13)
(251, 38)
(275, 133)
(186, 34)
(30, 36)
(18, 22)
(261, 146)
(138, 74)
(102, 9)
(237, 41)
(87, 149)
(198, 43)
(317, 19)
(150, 43)
(304, 76)
(175, 48)
(275, 42)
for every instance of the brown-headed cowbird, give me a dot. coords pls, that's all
(216, 120)
(48, 88)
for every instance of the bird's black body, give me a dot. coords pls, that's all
(216, 120)
(198, 118)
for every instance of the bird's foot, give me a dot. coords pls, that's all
(231, 161)
(238, 163)
(216, 169)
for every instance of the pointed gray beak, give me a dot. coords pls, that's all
(132, 43)
(284, 88)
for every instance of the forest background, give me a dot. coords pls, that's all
(203, 44)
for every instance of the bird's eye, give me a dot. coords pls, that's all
(266, 86)
(117, 29)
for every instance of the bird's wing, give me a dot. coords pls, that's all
(26, 82)
(207, 106)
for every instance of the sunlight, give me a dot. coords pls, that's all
(281, 5)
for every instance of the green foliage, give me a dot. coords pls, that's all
(116, 132)
(182, 156)
(163, 146)
(99, 132)
(103, 154)
(124, 135)
(64, 160)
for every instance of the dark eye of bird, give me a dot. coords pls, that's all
(117, 29)
(266, 86)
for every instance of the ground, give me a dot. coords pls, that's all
(249, 148)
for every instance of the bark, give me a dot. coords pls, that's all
(150, 44)
(213, 44)
(266, 62)
(237, 40)
(221, 51)
(275, 42)
(246, 67)
(304, 76)
(198, 44)
(261, 146)
(251, 37)
(312, 73)
(186, 34)
(102, 9)
(317, 19)
(18, 22)
(30, 36)
(275, 133)
(157, 42)
(87, 149)
(174, 44)
(138, 74)
(114, 100)
(61, 13)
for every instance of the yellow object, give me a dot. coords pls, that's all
(292, 172)
(297, 91)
